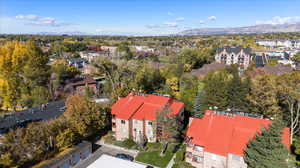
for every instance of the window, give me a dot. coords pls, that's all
(235, 157)
(135, 121)
(149, 123)
(198, 148)
(189, 154)
(197, 159)
(214, 157)
(123, 121)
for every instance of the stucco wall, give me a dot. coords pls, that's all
(122, 130)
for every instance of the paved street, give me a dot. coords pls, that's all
(104, 149)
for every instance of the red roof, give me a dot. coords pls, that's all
(221, 134)
(144, 107)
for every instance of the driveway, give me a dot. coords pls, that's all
(104, 149)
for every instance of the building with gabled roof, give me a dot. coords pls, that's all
(234, 55)
(134, 115)
(219, 140)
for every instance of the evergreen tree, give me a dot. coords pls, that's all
(266, 149)
(215, 89)
(197, 108)
(236, 90)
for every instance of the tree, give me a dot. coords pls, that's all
(95, 117)
(148, 80)
(237, 90)
(12, 58)
(289, 94)
(215, 90)
(296, 147)
(125, 51)
(266, 149)
(65, 139)
(197, 108)
(263, 96)
(168, 128)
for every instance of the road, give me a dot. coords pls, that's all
(104, 149)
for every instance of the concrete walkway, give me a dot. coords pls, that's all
(126, 151)
(171, 163)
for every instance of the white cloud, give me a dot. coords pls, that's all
(171, 24)
(170, 13)
(212, 18)
(180, 19)
(201, 22)
(40, 21)
(152, 26)
(280, 20)
(27, 17)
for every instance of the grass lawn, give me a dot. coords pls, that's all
(152, 155)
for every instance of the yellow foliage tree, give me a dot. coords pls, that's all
(12, 59)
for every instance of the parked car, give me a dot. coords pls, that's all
(124, 156)
(149, 167)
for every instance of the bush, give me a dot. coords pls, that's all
(109, 138)
(154, 146)
(128, 144)
(180, 154)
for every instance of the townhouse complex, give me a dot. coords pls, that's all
(134, 116)
(234, 55)
(218, 140)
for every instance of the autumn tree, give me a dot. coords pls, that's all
(65, 139)
(263, 96)
(84, 116)
(12, 58)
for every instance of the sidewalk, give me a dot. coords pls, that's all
(171, 163)
(129, 151)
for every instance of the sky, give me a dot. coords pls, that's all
(140, 17)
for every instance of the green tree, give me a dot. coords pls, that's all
(168, 128)
(288, 86)
(237, 90)
(197, 108)
(215, 90)
(266, 149)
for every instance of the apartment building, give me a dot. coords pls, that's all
(279, 43)
(134, 116)
(234, 55)
(219, 139)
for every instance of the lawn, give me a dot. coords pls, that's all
(152, 155)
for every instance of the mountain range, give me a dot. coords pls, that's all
(257, 29)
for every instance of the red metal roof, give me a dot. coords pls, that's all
(221, 134)
(144, 107)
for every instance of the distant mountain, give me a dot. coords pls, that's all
(62, 33)
(244, 30)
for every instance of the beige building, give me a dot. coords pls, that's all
(218, 140)
(234, 55)
(134, 115)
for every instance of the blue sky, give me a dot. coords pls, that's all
(142, 17)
